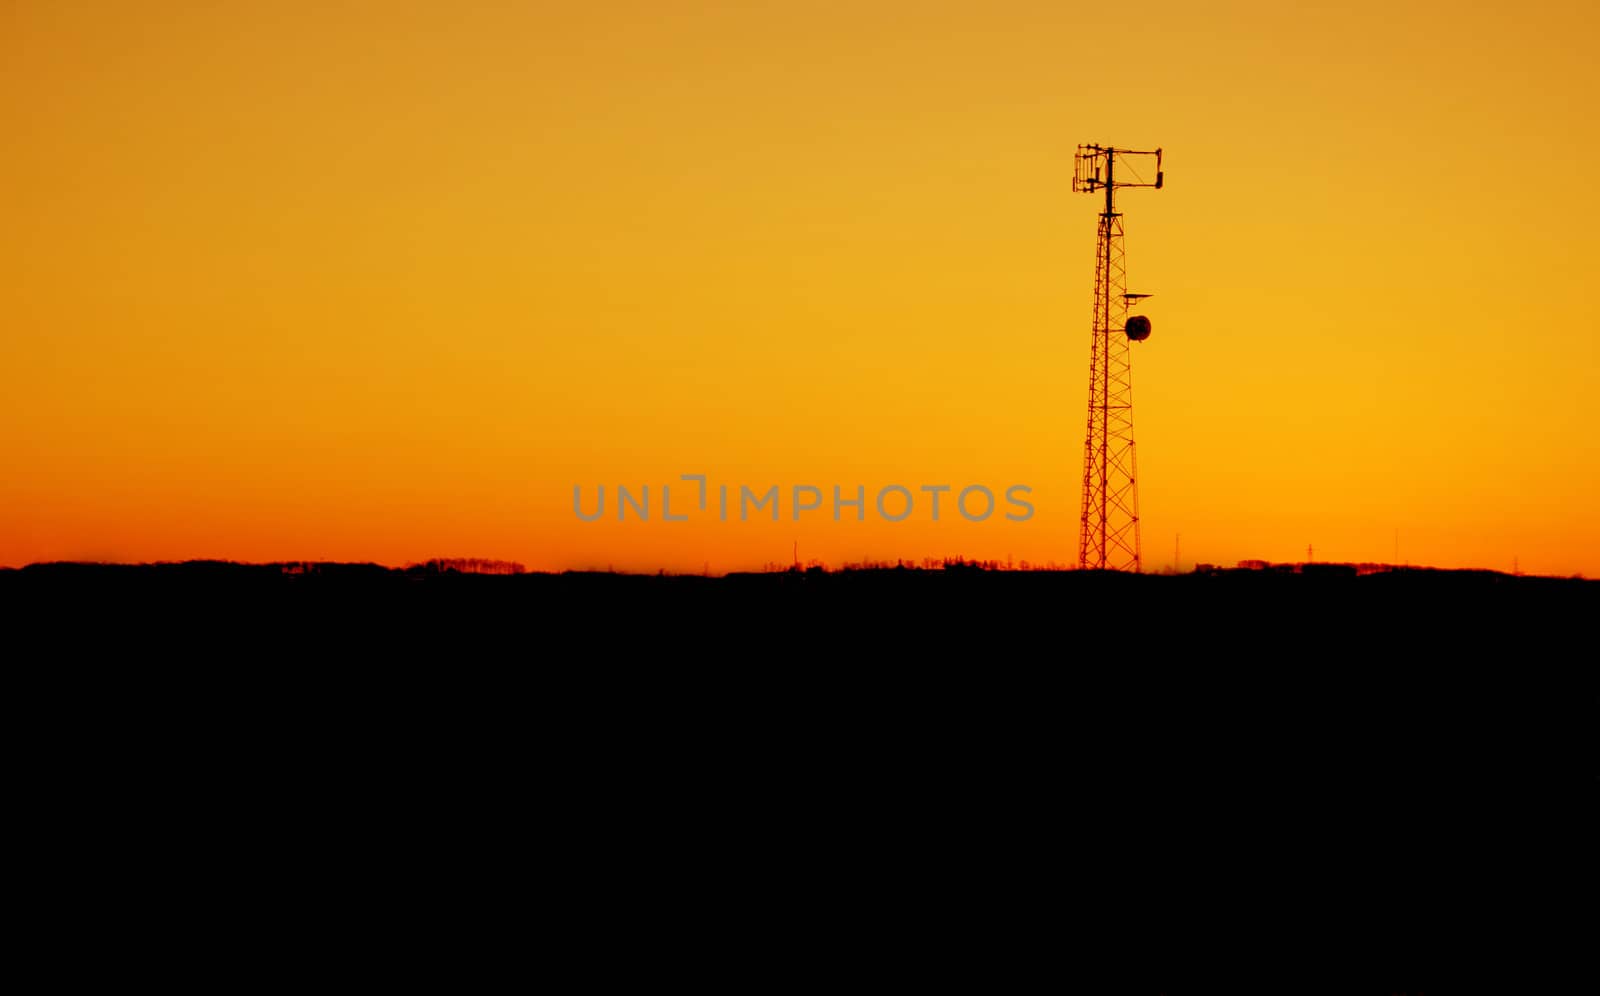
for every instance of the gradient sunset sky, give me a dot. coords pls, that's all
(385, 281)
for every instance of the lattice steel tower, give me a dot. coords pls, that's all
(1108, 535)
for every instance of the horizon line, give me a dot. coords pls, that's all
(492, 567)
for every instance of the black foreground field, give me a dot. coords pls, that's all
(1418, 617)
(1416, 743)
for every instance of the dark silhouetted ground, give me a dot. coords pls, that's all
(1119, 754)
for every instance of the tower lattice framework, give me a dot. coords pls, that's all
(1108, 534)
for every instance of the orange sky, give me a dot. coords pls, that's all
(384, 281)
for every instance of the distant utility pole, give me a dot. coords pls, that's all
(1108, 531)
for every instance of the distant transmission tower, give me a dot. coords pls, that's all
(1108, 536)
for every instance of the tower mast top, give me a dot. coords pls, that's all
(1094, 169)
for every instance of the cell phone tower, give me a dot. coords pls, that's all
(1108, 536)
